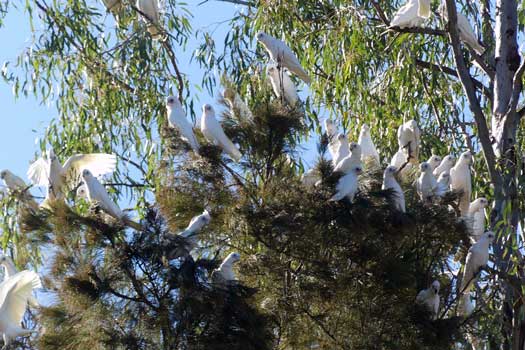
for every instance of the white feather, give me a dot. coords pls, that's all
(281, 83)
(177, 119)
(212, 130)
(96, 193)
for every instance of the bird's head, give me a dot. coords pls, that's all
(412, 124)
(489, 235)
(354, 146)
(450, 159)
(390, 170)
(234, 257)
(86, 173)
(172, 101)
(423, 167)
(435, 286)
(261, 36)
(271, 69)
(365, 129)
(81, 191)
(341, 137)
(358, 170)
(435, 159)
(466, 157)
(3, 174)
(205, 217)
(481, 202)
(207, 109)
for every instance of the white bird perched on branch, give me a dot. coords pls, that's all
(368, 149)
(390, 183)
(412, 14)
(429, 298)
(331, 133)
(426, 184)
(212, 130)
(225, 274)
(348, 185)
(477, 258)
(97, 194)
(465, 31)
(443, 184)
(408, 138)
(446, 164)
(349, 162)
(150, 10)
(9, 271)
(16, 184)
(196, 224)
(15, 293)
(47, 171)
(282, 84)
(476, 218)
(281, 54)
(237, 105)
(177, 119)
(460, 180)
(434, 161)
(342, 149)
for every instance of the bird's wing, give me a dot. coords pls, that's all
(38, 172)
(97, 163)
(15, 294)
(405, 14)
(186, 130)
(98, 193)
(150, 9)
(18, 182)
(290, 61)
(423, 9)
(218, 134)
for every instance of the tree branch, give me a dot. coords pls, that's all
(238, 2)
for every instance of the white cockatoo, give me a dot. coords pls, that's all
(342, 149)
(237, 104)
(48, 171)
(348, 185)
(443, 184)
(446, 164)
(212, 130)
(82, 191)
(282, 84)
(408, 138)
(177, 119)
(15, 293)
(460, 180)
(465, 30)
(426, 184)
(349, 162)
(225, 274)
(150, 9)
(9, 271)
(398, 159)
(311, 178)
(434, 161)
(476, 218)
(331, 133)
(16, 184)
(412, 14)
(96, 193)
(281, 54)
(368, 149)
(196, 224)
(390, 183)
(477, 257)
(429, 298)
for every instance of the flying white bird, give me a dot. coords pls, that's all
(96, 193)
(426, 183)
(348, 185)
(16, 184)
(446, 164)
(465, 30)
(429, 298)
(477, 257)
(342, 150)
(390, 183)
(237, 105)
(177, 119)
(15, 293)
(150, 9)
(408, 138)
(443, 184)
(212, 130)
(9, 271)
(434, 161)
(368, 149)
(476, 218)
(55, 177)
(460, 180)
(311, 178)
(282, 84)
(281, 54)
(412, 14)
(196, 224)
(331, 133)
(224, 274)
(349, 162)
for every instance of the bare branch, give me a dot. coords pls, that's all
(173, 60)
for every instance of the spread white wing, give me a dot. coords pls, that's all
(38, 172)
(97, 163)
(14, 295)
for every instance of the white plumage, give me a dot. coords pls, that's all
(429, 298)
(412, 14)
(408, 138)
(177, 119)
(150, 8)
(476, 218)
(225, 274)
(477, 257)
(212, 130)
(460, 180)
(331, 133)
(16, 184)
(390, 183)
(443, 184)
(368, 149)
(426, 183)
(15, 293)
(398, 159)
(434, 161)
(237, 105)
(342, 149)
(196, 224)
(282, 85)
(9, 271)
(465, 30)
(96, 193)
(446, 164)
(348, 185)
(281, 54)
(47, 171)
(349, 162)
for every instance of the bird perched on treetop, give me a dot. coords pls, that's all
(212, 130)
(430, 298)
(177, 119)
